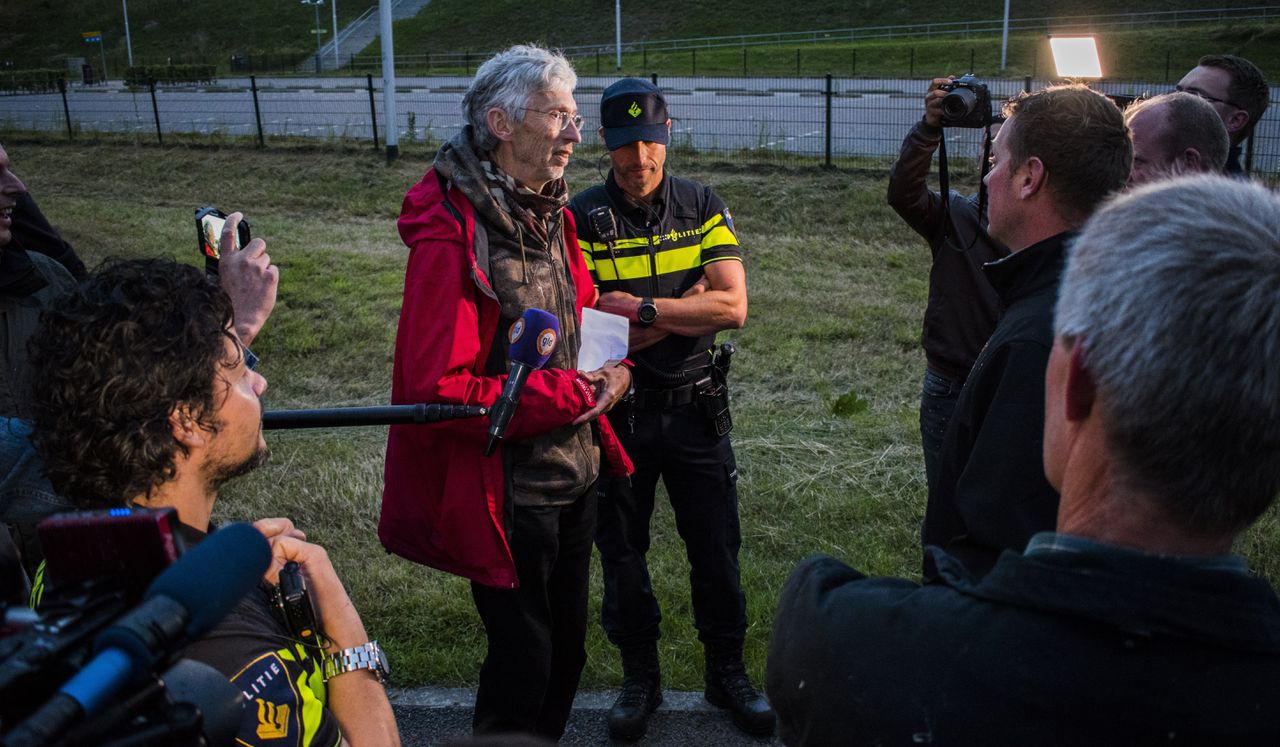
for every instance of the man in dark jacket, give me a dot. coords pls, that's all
(1238, 92)
(1060, 152)
(963, 307)
(1133, 623)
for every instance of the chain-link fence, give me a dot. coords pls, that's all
(828, 120)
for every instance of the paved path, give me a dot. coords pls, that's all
(434, 716)
(768, 116)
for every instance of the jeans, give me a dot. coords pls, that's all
(699, 471)
(938, 397)
(537, 632)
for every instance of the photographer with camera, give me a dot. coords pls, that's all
(1128, 621)
(962, 307)
(142, 398)
(1061, 151)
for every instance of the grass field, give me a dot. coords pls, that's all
(837, 287)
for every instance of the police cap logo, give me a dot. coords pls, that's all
(634, 110)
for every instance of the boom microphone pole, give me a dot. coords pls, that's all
(342, 417)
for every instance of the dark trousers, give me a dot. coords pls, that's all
(536, 632)
(700, 474)
(938, 397)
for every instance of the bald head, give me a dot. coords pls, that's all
(1173, 134)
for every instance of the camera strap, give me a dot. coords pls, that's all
(944, 186)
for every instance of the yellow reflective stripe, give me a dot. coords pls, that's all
(683, 258)
(311, 688)
(591, 262)
(721, 259)
(719, 236)
(632, 268)
(711, 222)
(37, 588)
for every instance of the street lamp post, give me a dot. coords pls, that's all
(316, 4)
(128, 43)
(617, 26)
(333, 5)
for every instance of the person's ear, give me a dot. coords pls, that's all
(1081, 391)
(1032, 178)
(1191, 162)
(1237, 122)
(186, 429)
(500, 124)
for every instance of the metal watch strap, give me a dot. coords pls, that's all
(367, 656)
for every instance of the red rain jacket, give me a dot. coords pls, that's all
(443, 500)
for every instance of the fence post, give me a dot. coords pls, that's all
(695, 62)
(829, 96)
(971, 61)
(744, 62)
(912, 74)
(853, 68)
(66, 110)
(797, 62)
(257, 111)
(597, 62)
(1035, 54)
(1167, 55)
(373, 110)
(653, 77)
(644, 55)
(156, 110)
(466, 61)
(1026, 84)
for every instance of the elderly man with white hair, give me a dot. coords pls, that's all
(489, 238)
(1133, 622)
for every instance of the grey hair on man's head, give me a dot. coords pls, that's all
(1174, 292)
(507, 80)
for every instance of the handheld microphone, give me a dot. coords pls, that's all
(533, 336)
(184, 602)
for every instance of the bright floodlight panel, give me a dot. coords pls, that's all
(1076, 56)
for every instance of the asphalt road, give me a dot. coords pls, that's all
(771, 115)
(438, 716)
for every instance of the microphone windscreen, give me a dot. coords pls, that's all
(212, 577)
(533, 337)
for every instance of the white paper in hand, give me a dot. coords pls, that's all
(604, 339)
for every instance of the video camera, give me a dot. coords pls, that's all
(102, 661)
(967, 103)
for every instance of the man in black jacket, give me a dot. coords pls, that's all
(673, 267)
(963, 307)
(1060, 152)
(1238, 92)
(1133, 623)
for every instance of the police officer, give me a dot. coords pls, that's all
(664, 254)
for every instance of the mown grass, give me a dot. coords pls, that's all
(1163, 54)
(837, 286)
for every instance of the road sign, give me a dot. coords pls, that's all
(92, 37)
(319, 31)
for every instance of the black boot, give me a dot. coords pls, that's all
(728, 687)
(641, 693)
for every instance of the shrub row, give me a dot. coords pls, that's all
(31, 81)
(141, 75)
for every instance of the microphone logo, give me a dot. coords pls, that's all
(546, 340)
(517, 331)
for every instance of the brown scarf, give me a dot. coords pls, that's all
(530, 210)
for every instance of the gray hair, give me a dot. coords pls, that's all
(1175, 292)
(1191, 122)
(507, 80)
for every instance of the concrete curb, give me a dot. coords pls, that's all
(437, 716)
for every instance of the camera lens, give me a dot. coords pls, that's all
(959, 103)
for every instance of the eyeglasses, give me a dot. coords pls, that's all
(563, 119)
(1206, 97)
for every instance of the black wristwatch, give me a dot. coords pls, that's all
(648, 312)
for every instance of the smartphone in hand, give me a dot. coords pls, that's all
(209, 224)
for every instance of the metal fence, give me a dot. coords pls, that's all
(830, 120)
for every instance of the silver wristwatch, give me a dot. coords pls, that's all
(368, 656)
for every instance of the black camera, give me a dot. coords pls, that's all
(967, 103)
